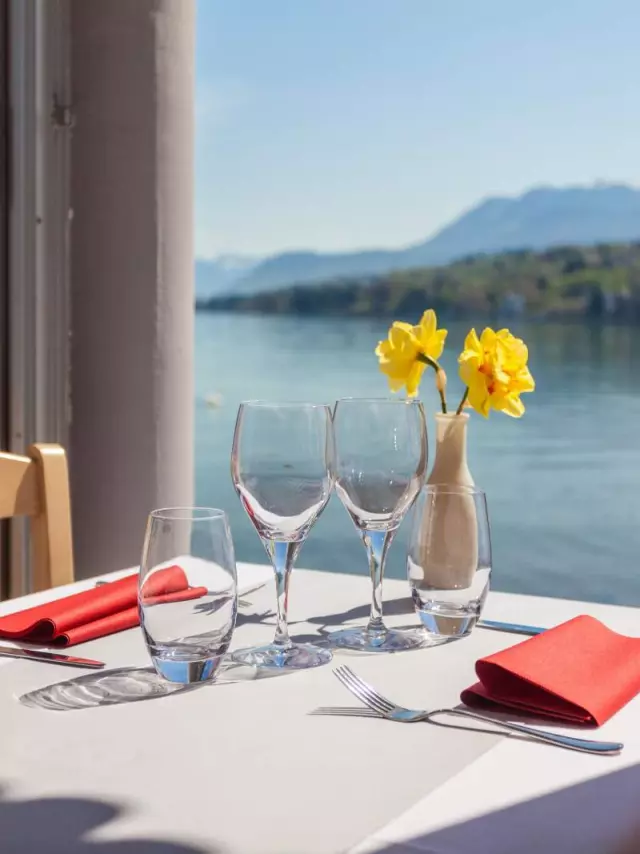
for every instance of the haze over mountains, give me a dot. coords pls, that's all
(218, 275)
(540, 218)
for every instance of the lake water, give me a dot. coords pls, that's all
(563, 482)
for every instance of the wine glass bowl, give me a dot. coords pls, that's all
(281, 504)
(377, 501)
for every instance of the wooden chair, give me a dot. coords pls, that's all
(38, 486)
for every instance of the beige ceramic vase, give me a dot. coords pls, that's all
(449, 539)
(450, 465)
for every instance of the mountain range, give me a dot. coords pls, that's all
(540, 218)
(219, 275)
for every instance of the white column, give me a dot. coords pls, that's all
(131, 446)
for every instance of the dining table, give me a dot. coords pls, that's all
(117, 761)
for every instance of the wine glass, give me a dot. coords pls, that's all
(281, 469)
(449, 559)
(380, 464)
(187, 593)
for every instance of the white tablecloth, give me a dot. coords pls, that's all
(243, 766)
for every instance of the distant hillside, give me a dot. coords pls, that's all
(303, 267)
(220, 275)
(538, 219)
(598, 282)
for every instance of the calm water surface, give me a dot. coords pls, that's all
(563, 483)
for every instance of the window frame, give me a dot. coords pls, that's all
(38, 229)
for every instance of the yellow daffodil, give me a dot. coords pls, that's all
(494, 369)
(404, 355)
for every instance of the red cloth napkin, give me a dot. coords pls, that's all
(580, 672)
(97, 612)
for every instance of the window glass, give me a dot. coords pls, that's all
(359, 162)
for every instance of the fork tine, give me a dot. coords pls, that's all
(346, 711)
(356, 690)
(383, 701)
(362, 691)
(346, 680)
(368, 696)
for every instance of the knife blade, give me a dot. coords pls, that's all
(514, 628)
(50, 657)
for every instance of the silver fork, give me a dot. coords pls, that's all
(391, 711)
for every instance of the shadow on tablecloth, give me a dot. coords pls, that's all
(599, 816)
(61, 825)
(128, 685)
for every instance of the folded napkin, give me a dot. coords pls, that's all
(579, 672)
(97, 612)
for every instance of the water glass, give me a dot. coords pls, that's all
(187, 592)
(449, 559)
(281, 469)
(380, 463)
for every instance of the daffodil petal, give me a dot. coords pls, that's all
(428, 324)
(487, 339)
(400, 324)
(472, 342)
(512, 405)
(478, 399)
(436, 345)
(413, 379)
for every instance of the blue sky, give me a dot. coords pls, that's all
(343, 124)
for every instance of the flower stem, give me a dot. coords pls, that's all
(463, 401)
(427, 360)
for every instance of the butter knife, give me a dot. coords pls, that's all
(51, 657)
(514, 628)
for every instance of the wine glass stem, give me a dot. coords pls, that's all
(376, 543)
(282, 555)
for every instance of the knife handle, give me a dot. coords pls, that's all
(513, 628)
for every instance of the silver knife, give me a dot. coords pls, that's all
(514, 628)
(51, 657)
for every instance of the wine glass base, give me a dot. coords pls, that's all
(390, 640)
(298, 656)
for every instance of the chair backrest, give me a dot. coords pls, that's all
(38, 486)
